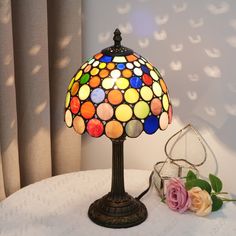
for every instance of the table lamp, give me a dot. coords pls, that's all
(117, 93)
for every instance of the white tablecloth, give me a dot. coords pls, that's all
(58, 206)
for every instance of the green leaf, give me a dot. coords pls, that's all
(215, 183)
(190, 176)
(204, 185)
(216, 203)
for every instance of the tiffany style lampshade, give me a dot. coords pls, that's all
(117, 93)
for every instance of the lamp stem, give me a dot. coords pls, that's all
(117, 185)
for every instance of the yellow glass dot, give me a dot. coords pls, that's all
(84, 92)
(67, 99)
(94, 71)
(165, 102)
(141, 109)
(149, 66)
(154, 75)
(84, 65)
(102, 65)
(131, 95)
(108, 83)
(157, 89)
(122, 83)
(123, 112)
(146, 93)
(71, 83)
(78, 75)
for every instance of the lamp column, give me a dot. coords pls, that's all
(117, 209)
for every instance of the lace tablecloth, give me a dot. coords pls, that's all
(58, 206)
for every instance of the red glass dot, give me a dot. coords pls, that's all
(147, 79)
(75, 105)
(170, 114)
(95, 128)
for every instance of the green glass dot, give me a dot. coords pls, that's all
(84, 79)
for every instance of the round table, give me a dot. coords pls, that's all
(58, 206)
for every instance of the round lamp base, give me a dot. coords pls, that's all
(117, 211)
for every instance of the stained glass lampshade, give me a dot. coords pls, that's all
(117, 93)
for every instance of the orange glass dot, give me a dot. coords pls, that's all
(87, 68)
(103, 73)
(98, 56)
(131, 58)
(79, 125)
(127, 73)
(115, 97)
(74, 88)
(94, 82)
(87, 110)
(110, 66)
(113, 129)
(163, 85)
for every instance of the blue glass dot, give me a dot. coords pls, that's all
(105, 59)
(136, 82)
(151, 124)
(145, 69)
(121, 66)
(97, 95)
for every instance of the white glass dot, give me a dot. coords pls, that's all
(129, 65)
(141, 61)
(91, 61)
(95, 63)
(115, 74)
(138, 71)
(136, 63)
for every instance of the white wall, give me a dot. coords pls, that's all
(193, 43)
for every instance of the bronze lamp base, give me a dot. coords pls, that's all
(117, 209)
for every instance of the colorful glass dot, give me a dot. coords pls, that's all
(164, 120)
(146, 93)
(95, 128)
(94, 81)
(84, 79)
(136, 82)
(151, 124)
(74, 88)
(120, 66)
(141, 109)
(78, 75)
(110, 65)
(134, 128)
(115, 74)
(127, 73)
(165, 102)
(106, 59)
(84, 92)
(147, 79)
(104, 73)
(74, 105)
(78, 124)
(115, 97)
(71, 83)
(157, 89)
(129, 65)
(87, 110)
(68, 118)
(97, 95)
(156, 106)
(131, 95)
(123, 112)
(94, 71)
(105, 111)
(154, 75)
(67, 102)
(122, 83)
(114, 129)
(108, 83)
(102, 65)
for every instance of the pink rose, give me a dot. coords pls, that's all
(177, 198)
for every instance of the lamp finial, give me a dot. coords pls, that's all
(117, 38)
